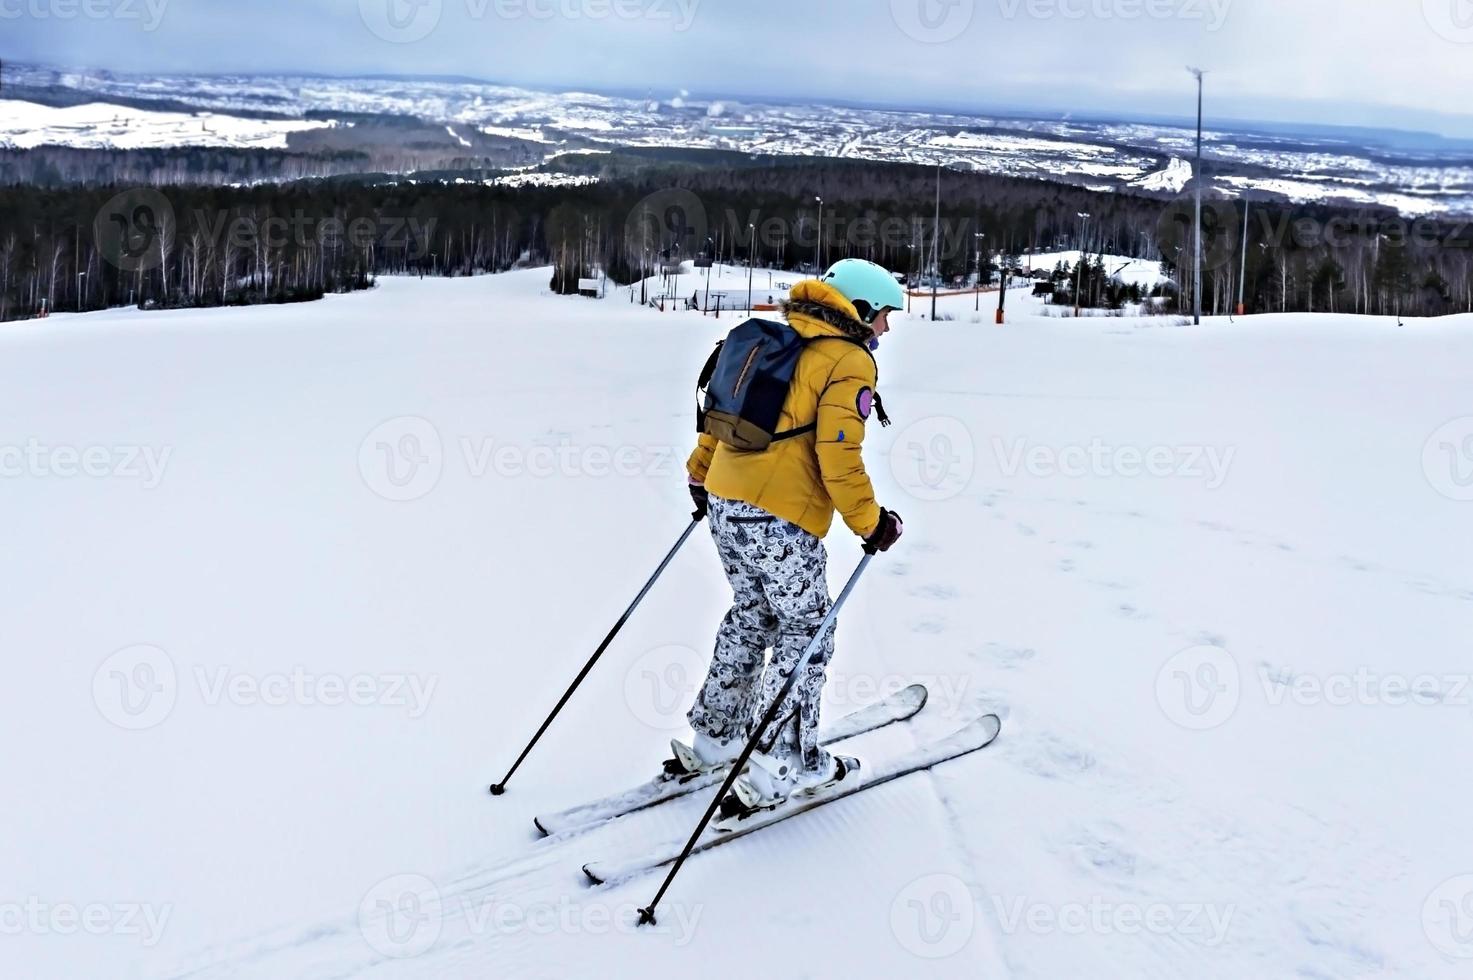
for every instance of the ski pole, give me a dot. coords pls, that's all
(647, 914)
(499, 788)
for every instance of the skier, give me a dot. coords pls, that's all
(769, 511)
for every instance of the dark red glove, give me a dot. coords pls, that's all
(886, 534)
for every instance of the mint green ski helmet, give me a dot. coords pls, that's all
(868, 286)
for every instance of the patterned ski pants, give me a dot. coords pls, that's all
(777, 571)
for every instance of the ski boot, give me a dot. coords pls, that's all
(772, 780)
(703, 755)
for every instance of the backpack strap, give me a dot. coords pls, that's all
(703, 382)
(864, 346)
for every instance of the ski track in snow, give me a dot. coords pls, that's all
(1289, 841)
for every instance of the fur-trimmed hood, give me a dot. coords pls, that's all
(815, 308)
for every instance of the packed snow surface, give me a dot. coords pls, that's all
(287, 587)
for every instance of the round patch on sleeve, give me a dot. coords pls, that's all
(865, 403)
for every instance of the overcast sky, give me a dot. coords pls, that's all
(1405, 64)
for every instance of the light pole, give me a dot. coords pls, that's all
(818, 257)
(751, 261)
(1005, 272)
(710, 253)
(936, 248)
(1243, 272)
(80, 274)
(908, 287)
(1079, 269)
(1197, 264)
(978, 290)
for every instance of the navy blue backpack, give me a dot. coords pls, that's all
(745, 383)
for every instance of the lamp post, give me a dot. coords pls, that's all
(978, 290)
(912, 248)
(1079, 269)
(818, 256)
(1243, 271)
(1004, 274)
(751, 261)
(80, 275)
(710, 258)
(1197, 264)
(936, 248)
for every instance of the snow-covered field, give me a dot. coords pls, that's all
(100, 125)
(286, 587)
(1392, 171)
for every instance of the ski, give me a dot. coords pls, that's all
(897, 707)
(974, 737)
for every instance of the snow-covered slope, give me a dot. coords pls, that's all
(99, 125)
(333, 563)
